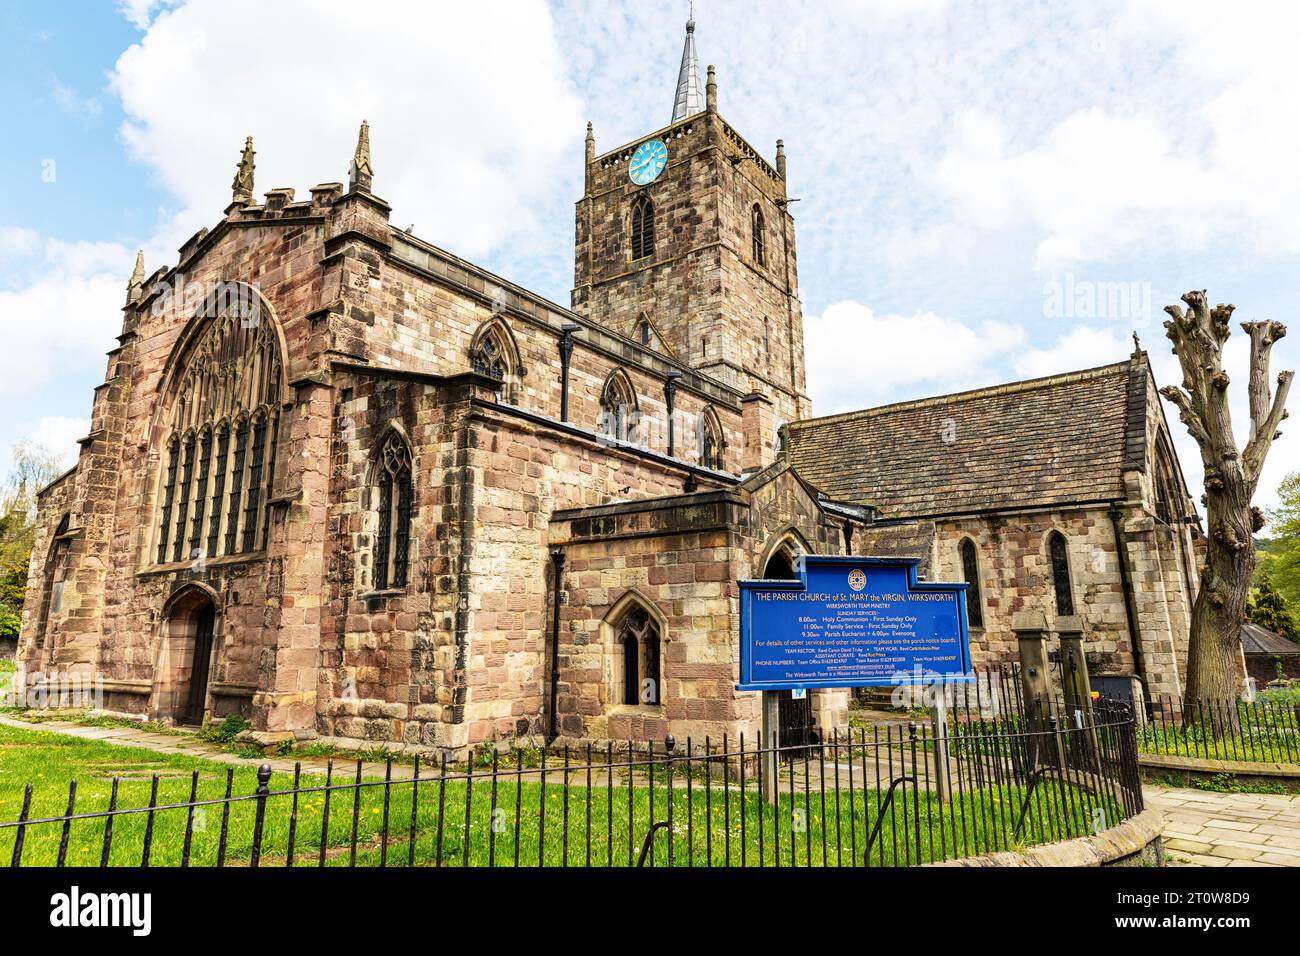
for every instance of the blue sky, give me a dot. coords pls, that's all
(960, 166)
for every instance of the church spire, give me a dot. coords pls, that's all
(690, 95)
(361, 173)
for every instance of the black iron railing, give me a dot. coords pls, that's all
(1261, 730)
(894, 795)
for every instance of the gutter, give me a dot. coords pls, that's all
(553, 695)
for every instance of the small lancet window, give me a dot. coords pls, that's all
(392, 541)
(970, 570)
(1061, 574)
(760, 241)
(711, 441)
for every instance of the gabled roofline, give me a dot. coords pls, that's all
(1009, 388)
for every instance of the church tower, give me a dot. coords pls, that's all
(685, 243)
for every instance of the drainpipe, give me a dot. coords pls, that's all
(553, 730)
(566, 353)
(670, 398)
(1126, 583)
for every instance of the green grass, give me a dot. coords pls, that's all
(1265, 735)
(984, 819)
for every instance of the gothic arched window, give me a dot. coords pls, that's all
(1061, 574)
(393, 503)
(970, 569)
(618, 408)
(56, 567)
(222, 408)
(643, 228)
(493, 353)
(760, 241)
(638, 639)
(711, 441)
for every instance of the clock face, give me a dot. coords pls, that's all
(648, 162)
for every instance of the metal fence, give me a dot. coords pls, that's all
(1254, 731)
(896, 795)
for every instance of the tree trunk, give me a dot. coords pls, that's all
(1231, 477)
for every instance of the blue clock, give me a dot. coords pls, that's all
(648, 162)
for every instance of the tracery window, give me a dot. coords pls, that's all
(970, 569)
(393, 504)
(643, 228)
(1061, 574)
(222, 418)
(639, 639)
(493, 353)
(618, 408)
(760, 241)
(711, 441)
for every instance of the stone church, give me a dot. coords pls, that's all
(350, 486)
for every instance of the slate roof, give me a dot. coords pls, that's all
(1056, 440)
(1259, 640)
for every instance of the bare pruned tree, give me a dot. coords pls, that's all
(1231, 477)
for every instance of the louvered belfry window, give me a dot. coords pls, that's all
(393, 536)
(643, 228)
(223, 404)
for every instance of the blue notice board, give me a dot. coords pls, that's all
(852, 622)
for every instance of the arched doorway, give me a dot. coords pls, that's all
(185, 664)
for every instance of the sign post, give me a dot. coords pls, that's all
(771, 743)
(849, 622)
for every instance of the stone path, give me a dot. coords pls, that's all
(1204, 828)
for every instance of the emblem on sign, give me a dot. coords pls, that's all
(857, 579)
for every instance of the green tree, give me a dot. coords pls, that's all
(33, 467)
(1281, 558)
(1267, 608)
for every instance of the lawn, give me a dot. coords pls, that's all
(519, 818)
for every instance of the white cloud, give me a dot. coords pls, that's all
(1106, 179)
(856, 358)
(140, 13)
(1095, 183)
(58, 433)
(84, 109)
(472, 117)
(17, 243)
(61, 313)
(1082, 347)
